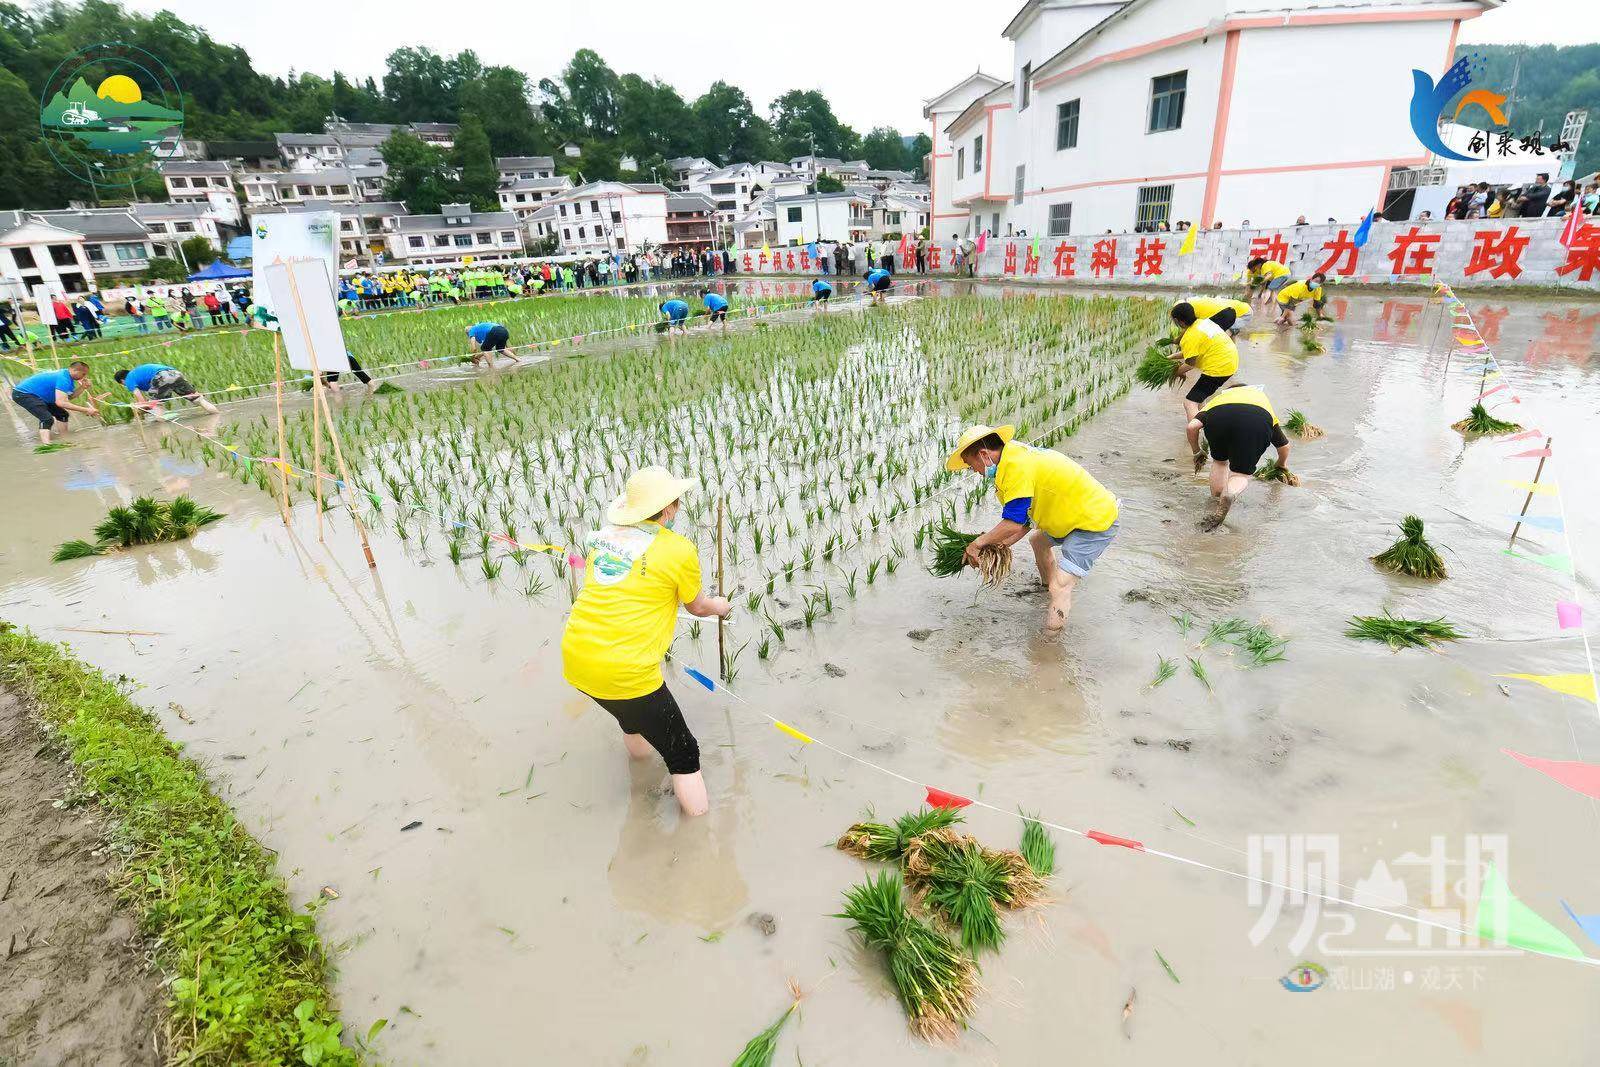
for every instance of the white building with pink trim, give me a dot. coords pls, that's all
(1122, 115)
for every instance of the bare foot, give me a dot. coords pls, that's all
(1216, 511)
(1054, 619)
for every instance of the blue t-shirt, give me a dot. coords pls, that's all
(139, 377)
(676, 310)
(715, 303)
(821, 287)
(481, 331)
(877, 276)
(47, 383)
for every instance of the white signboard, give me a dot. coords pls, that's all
(308, 318)
(43, 302)
(302, 235)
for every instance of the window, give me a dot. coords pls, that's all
(961, 163)
(794, 214)
(727, 205)
(463, 240)
(1155, 205)
(1067, 125)
(594, 205)
(722, 189)
(62, 256)
(994, 223)
(1027, 89)
(414, 242)
(441, 240)
(977, 155)
(563, 211)
(303, 190)
(24, 258)
(322, 190)
(96, 253)
(127, 253)
(484, 239)
(508, 236)
(522, 198)
(1060, 220)
(340, 190)
(566, 235)
(183, 227)
(1022, 176)
(616, 218)
(178, 182)
(1166, 101)
(581, 234)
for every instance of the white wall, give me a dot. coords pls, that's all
(835, 221)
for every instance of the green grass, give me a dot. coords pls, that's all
(246, 973)
(1400, 633)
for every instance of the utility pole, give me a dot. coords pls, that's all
(816, 197)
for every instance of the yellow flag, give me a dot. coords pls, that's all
(1534, 487)
(1188, 241)
(1573, 685)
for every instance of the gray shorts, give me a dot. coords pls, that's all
(1274, 284)
(1080, 548)
(169, 385)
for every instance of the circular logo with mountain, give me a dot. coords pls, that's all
(109, 111)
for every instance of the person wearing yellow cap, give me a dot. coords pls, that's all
(636, 574)
(1239, 424)
(1291, 295)
(1071, 515)
(1205, 346)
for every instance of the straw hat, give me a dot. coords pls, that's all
(971, 436)
(649, 490)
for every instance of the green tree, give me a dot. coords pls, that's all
(801, 117)
(652, 119)
(589, 90)
(917, 157)
(28, 176)
(163, 269)
(1550, 80)
(419, 173)
(501, 99)
(827, 183)
(198, 251)
(420, 85)
(883, 149)
(728, 129)
(474, 163)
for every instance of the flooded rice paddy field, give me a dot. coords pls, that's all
(552, 907)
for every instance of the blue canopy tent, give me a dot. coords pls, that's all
(218, 271)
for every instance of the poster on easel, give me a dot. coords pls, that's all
(301, 235)
(307, 313)
(44, 304)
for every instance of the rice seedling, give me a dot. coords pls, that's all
(933, 978)
(760, 1050)
(1400, 633)
(1198, 669)
(1270, 471)
(490, 568)
(456, 549)
(878, 841)
(949, 556)
(1479, 423)
(1301, 427)
(1412, 555)
(53, 446)
(146, 521)
(534, 587)
(965, 885)
(1038, 847)
(1309, 342)
(1157, 370)
(77, 550)
(1165, 669)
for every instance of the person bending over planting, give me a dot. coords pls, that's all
(491, 338)
(1239, 424)
(1264, 276)
(878, 283)
(1209, 307)
(716, 307)
(47, 396)
(821, 293)
(677, 315)
(637, 573)
(1204, 346)
(151, 383)
(1291, 295)
(1070, 513)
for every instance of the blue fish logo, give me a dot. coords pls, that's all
(1428, 101)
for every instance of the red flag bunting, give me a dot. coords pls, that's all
(1491, 392)
(1532, 453)
(938, 798)
(1524, 435)
(1108, 839)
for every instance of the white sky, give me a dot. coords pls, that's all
(875, 61)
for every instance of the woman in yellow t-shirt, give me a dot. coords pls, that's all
(1205, 345)
(638, 572)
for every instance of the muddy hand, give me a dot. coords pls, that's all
(1199, 461)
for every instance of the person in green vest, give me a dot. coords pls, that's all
(158, 312)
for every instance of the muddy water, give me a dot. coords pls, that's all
(552, 907)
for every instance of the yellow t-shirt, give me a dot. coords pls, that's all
(1065, 496)
(1210, 349)
(1295, 292)
(1269, 270)
(624, 618)
(1241, 394)
(1207, 306)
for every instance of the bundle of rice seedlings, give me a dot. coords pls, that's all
(1038, 847)
(1157, 370)
(1309, 342)
(949, 556)
(1412, 555)
(53, 446)
(184, 517)
(966, 885)
(876, 841)
(934, 979)
(385, 388)
(77, 550)
(1479, 423)
(1272, 472)
(760, 1050)
(1301, 427)
(1402, 633)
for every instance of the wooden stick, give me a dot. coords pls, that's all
(722, 656)
(1548, 441)
(283, 448)
(133, 633)
(344, 478)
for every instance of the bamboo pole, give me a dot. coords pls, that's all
(722, 656)
(283, 448)
(1548, 441)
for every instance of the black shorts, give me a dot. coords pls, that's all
(1239, 434)
(1202, 389)
(821, 297)
(719, 315)
(47, 412)
(882, 285)
(495, 340)
(656, 718)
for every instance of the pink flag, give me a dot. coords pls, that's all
(983, 242)
(1569, 614)
(1579, 777)
(1491, 392)
(1574, 226)
(1524, 435)
(1532, 453)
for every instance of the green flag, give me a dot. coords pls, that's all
(1504, 919)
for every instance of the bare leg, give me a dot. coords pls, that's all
(205, 404)
(1059, 583)
(637, 746)
(44, 435)
(691, 792)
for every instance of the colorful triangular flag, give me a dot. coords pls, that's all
(1532, 453)
(1589, 924)
(1569, 614)
(1523, 436)
(1579, 777)
(1572, 685)
(1534, 487)
(1188, 241)
(1556, 561)
(1543, 522)
(1504, 919)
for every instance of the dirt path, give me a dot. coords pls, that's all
(74, 985)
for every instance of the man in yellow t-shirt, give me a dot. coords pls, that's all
(1291, 294)
(1239, 424)
(1067, 509)
(637, 573)
(1206, 347)
(1265, 276)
